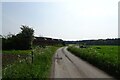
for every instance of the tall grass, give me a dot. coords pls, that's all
(11, 56)
(25, 68)
(104, 57)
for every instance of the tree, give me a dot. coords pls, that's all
(25, 37)
(21, 41)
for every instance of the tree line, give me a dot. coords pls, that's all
(114, 41)
(25, 39)
(44, 41)
(21, 41)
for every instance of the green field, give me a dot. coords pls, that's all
(22, 66)
(104, 57)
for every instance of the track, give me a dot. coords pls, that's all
(66, 65)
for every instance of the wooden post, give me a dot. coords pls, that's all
(32, 57)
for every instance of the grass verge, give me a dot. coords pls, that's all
(26, 68)
(104, 57)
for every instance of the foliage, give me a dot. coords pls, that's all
(113, 41)
(25, 38)
(102, 42)
(45, 41)
(24, 68)
(104, 57)
(21, 41)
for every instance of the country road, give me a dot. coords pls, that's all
(66, 65)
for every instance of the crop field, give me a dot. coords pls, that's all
(20, 64)
(104, 57)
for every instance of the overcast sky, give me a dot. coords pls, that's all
(66, 19)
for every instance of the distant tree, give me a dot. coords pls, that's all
(102, 42)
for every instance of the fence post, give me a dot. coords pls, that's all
(32, 56)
